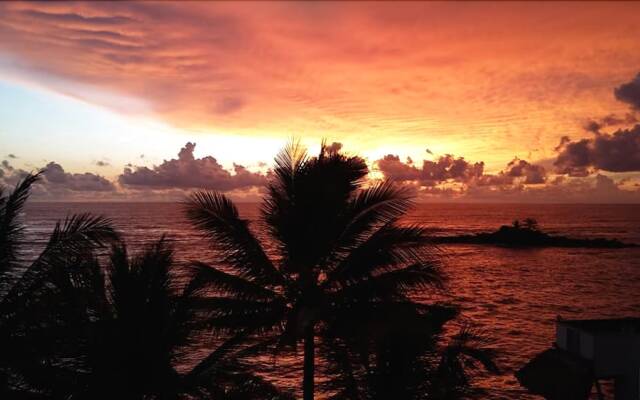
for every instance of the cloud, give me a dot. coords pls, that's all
(446, 168)
(187, 172)
(454, 178)
(165, 182)
(533, 174)
(58, 184)
(56, 178)
(630, 92)
(616, 152)
(394, 169)
(520, 182)
(74, 18)
(594, 189)
(517, 172)
(596, 125)
(6, 165)
(101, 163)
(12, 156)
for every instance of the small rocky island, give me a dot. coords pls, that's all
(528, 234)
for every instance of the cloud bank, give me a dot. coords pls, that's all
(431, 173)
(630, 92)
(616, 152)
(448, 168)
(446, 178)
(57, 184)
(188, 172)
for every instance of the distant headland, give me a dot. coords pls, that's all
(526, 233)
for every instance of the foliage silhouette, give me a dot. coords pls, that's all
(73, 328)
(140, 327)
(409, 363)
(32, 295)
(339, 267)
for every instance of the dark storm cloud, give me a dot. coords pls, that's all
(446, 168)
(533, 174)
(392, 168)
(56, 176)
(189, 172)
(616, 152)
(57, 183)
(516, 172)
(457, 170)
(630, 92)
(595, 125)
(9, 175)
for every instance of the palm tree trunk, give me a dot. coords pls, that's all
(309, 364)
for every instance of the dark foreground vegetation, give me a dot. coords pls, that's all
(88, 320)
(527, 234)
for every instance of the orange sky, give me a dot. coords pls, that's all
(483, 81)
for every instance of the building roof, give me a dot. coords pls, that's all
(557, 375)
(615, 325)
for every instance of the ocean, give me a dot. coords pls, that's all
(513, 295)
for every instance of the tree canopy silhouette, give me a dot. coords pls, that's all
(137, 328)
(32, 295)
(337, 261)
(72, 326)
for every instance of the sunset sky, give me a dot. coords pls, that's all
(536, 102)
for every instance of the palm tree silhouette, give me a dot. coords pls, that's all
(336, 254)
(137, 328)
(32, 295)
(73, 328)
(404, 354)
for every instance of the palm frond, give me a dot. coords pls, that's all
(79, 233)
(304, 208)
(221, 315)
(376, 206)
(289, 161)
(231, 352)
(469, 349)
(10, 228)
(390, 247)
(206, 279)
(216, 216)
(72, 241)
(396, 284)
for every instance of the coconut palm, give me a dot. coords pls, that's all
(404, 354)
(336, 254)
(73, 328)
(467, 352)
(128, 335)
(31, 294)
(136, 329)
